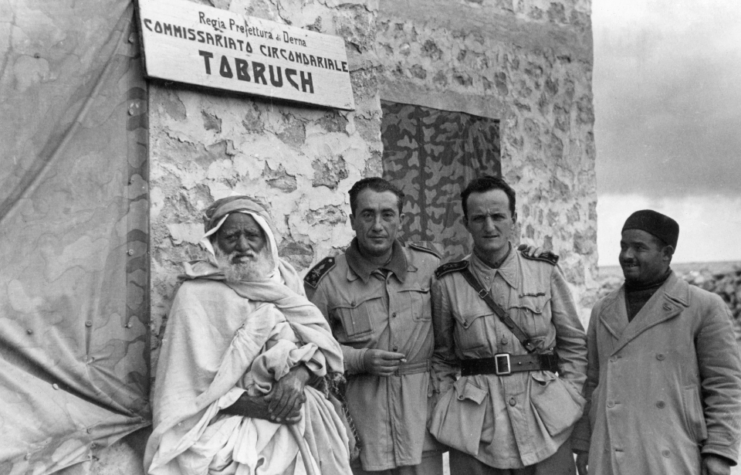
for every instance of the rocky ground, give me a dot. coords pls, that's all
(727, 285)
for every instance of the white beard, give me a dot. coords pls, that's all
(255, 269)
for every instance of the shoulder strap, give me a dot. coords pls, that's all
(455, 266)
(499, 311)
(318, 271)
(427, 246)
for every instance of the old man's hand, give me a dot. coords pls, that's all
(287, 396)
(256, 407)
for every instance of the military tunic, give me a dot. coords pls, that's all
(520, 419)
(387, 309)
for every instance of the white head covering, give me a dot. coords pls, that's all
(219, 211)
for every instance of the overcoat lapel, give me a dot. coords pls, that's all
(614, 315)
(665, 304)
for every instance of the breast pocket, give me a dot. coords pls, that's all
(533, 315)
(356, 319)
(416, 300)
(529, 305)
(471, 330)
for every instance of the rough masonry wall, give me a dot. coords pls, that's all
(300, 160)
(525, 62)
(529, 64)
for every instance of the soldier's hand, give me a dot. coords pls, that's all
(582, 462)
(531, 250)
(287, 395)
(714, 465)
(381, 362)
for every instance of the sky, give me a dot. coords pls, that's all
(667, 97)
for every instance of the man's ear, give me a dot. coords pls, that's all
(464, 221)
(514, 217)
(352, 222)
(402, 218)
(668, 252)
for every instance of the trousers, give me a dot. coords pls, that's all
(432, 464)
(560, 463)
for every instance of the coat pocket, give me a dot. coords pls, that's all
(356, 320)
(529, 306)
(419, 301)
(471, 332)
(557, 402)
(693, 414)
(459, 417)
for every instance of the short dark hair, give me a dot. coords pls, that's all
(377, 184)
(487, 183)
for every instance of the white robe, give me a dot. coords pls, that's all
(218, 344)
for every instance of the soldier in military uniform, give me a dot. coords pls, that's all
(376, 297)
(508, 324)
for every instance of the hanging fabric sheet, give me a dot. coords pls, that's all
(74, 309)
(431, 155)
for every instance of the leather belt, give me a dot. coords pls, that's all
(503, 364)
(412, 368)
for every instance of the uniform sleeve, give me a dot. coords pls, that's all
(445, 364)
(571, 341)
(720, 373)
(583, 430)
(353, 357)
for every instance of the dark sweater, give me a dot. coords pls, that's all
(636, 296)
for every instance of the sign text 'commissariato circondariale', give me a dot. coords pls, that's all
(238, 68)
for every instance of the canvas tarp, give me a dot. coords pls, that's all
(74, 310)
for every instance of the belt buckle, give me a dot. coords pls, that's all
(502, 365)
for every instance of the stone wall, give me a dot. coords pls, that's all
(527, 63)
(300, 160)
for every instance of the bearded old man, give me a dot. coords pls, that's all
(241, 344)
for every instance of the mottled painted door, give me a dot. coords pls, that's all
(431, 155)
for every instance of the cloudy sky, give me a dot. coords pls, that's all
(667, 94)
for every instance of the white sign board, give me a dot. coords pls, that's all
(196, 44)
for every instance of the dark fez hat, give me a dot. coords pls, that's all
(657, 224)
